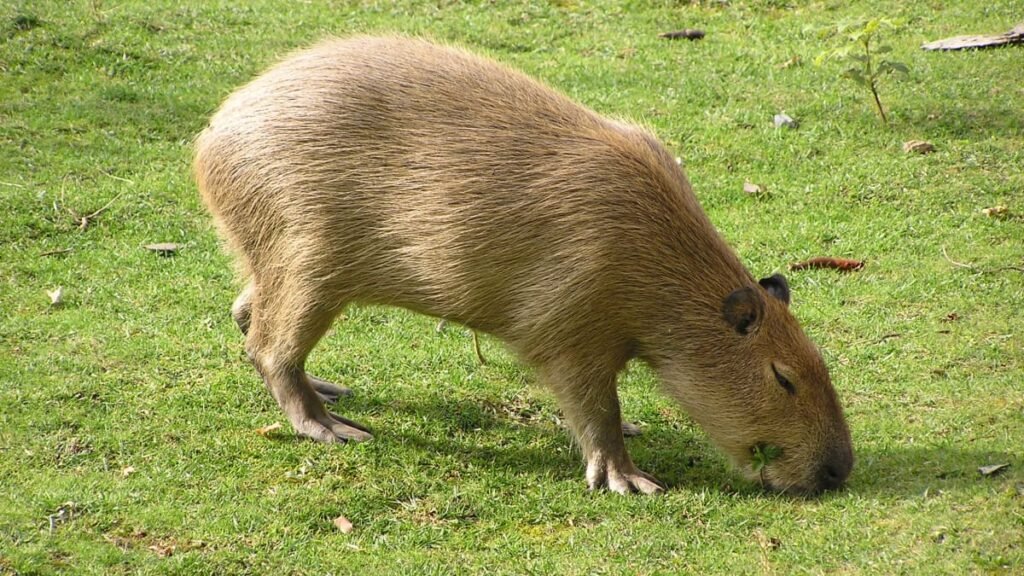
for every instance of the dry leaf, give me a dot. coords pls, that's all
(689, 34)
(918, 147)
(163, 248)
(56, 296)
(841, 264)
(992, 469)
(266, 430)
(996, 211)
(783, 120)
(163, 550)
(127, 471)
(62, 515)
(753, 189)
(794, 61)
(343, 524)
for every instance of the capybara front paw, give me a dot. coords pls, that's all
(623, 479)
(333, 428)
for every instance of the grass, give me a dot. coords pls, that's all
(128, 415)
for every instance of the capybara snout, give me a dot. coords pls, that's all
(388, 170)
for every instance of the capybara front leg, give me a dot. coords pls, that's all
(241, 311)
(278, 340)
(306, 412)
(589, 400)
(305, 409)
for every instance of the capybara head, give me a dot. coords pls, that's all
(765, 397)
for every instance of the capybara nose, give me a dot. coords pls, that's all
(833, 473)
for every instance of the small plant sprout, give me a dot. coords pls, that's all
(762, 455)
(863, 51)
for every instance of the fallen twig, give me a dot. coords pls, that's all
(979, 269)
(954, 262)
(117, 177)
(85, 219)
(1013, 36)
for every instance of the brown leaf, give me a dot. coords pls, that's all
(753, 189)
(162, 549)
(992, 469)
(127, 471)
(918, 147)
(841, 264)
(783, 120)
(688, 33)
(266, 430)
(163, 248)
(951, 317)
(794, 61)
(343, 524)
(56, 296)
(63, 514)
(767, 543)
(996, 211)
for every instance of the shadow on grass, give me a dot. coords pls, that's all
(681, 460)
(912, 472)
(974, 123)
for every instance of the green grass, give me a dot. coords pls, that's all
(470, 472)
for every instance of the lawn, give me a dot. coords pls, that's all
(129, 415)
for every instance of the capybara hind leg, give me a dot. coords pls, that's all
(241, 311)
(278, 342)
(591, 406)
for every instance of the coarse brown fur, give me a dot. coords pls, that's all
(396, 171)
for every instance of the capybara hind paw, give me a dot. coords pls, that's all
(328, 392)
(631, 480)
(333, 428)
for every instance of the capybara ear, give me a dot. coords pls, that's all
(777, 286)
(743, 309)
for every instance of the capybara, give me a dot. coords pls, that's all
(390, 170)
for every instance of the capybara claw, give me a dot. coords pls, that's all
(333, 428)
(623, 481)
(328, 392)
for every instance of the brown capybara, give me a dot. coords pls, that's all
(397, 171)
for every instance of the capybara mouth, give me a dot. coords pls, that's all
(767, 463)
(826, 480)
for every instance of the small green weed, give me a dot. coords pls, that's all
(864, 52)
(763, 455)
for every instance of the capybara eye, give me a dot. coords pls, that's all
(785, 383)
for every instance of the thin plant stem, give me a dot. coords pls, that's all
(872, 81)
